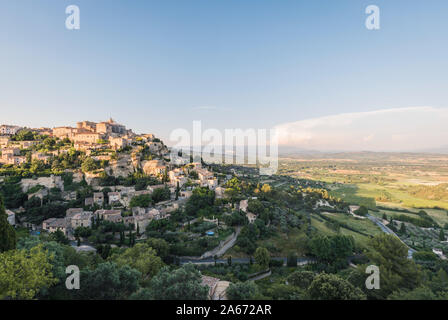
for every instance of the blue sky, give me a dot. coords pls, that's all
(158, 65)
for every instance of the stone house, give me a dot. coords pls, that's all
(53, 224)
(83, 219)
(113, 197)
(98, 198)
(108, 215)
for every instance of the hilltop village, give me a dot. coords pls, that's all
(108, 151)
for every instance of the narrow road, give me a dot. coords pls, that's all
(229, 244)
(300, 261)
(385, 229)
(261, 276)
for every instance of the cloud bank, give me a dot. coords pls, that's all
(391, 130)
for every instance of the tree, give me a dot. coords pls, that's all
(181, 284)
(59, 236)
(88, 165)
(424, 256)
(266, 188)
(301, 279)
(362, 211)
(242, 291)
(262, 257)
(177, 190)
(160, 194)
(108, 282)
(24, 135)
(7, 233)
(201, 198)
(439, 283)
(420, 293)
(291, 260)
(282, 291)
(37, 166)
(333, 249)
(161, 246)
(441, 235)
(255, 206)
(143, 201)
(403, 228)
(23, 273)
(142, 294)
(332, 287)
(396, 270)
(140, 257)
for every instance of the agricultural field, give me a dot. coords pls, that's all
(361, 229)
(402, 180)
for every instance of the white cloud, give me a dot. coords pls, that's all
(401, 129)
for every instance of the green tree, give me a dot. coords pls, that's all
(59, 236)
(242, 291)
(88, 165)
(262, 257)
(441, 235)
(108, 282)
(7, 233)
(362, 211)
(143, 201)
(403, 228)
(23, 273)
(396, 270)
(301, 279)
(160, 194)
(181, 284)
(201, 198)
(420, 293)
(255, 206)
(332, 287)
(332, 249)
(24, 135)
(282, 291)
(292, 260)
(140, 257)
(160, 245)
(37, 166)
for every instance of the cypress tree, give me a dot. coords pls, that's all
(403, 228)
(7, 232)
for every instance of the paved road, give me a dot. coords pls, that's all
(228, 245)
(300, 261)
(385, 229)
(261, 276)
